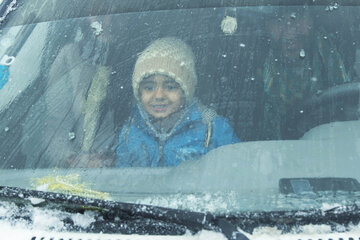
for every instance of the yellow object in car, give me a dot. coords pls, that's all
(67, 184)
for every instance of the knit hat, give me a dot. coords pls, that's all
(171, 57)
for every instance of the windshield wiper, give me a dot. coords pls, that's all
(128, 218)
(123, 218)
(287, 221)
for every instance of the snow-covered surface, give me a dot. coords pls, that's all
(36, 201)
(47, 223)
(44, 219)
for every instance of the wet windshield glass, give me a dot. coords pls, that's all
(209, 109)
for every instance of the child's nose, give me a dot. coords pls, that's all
(159, 93)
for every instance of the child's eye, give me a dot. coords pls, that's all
(148, 88)
(171, 87)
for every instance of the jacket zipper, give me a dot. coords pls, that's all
(161, 153)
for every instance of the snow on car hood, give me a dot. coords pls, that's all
(25, 222)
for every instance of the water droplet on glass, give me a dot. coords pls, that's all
(314, 79)
(302, 53)
(229, 25)
(71, 136)
(96, 27)
(332, 7)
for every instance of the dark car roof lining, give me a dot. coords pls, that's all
(62, 9)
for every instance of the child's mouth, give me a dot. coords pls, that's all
(159, 108)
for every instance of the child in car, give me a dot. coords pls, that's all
(168, 125)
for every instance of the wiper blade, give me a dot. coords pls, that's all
(287, 220)
(128, 218)
(125, 218)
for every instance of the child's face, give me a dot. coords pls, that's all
(161, 96)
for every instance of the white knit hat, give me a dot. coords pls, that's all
(168, 56)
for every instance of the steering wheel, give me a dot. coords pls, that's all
(337, 103)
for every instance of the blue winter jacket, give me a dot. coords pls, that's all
(198, 131)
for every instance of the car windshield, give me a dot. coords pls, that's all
(219, 108)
